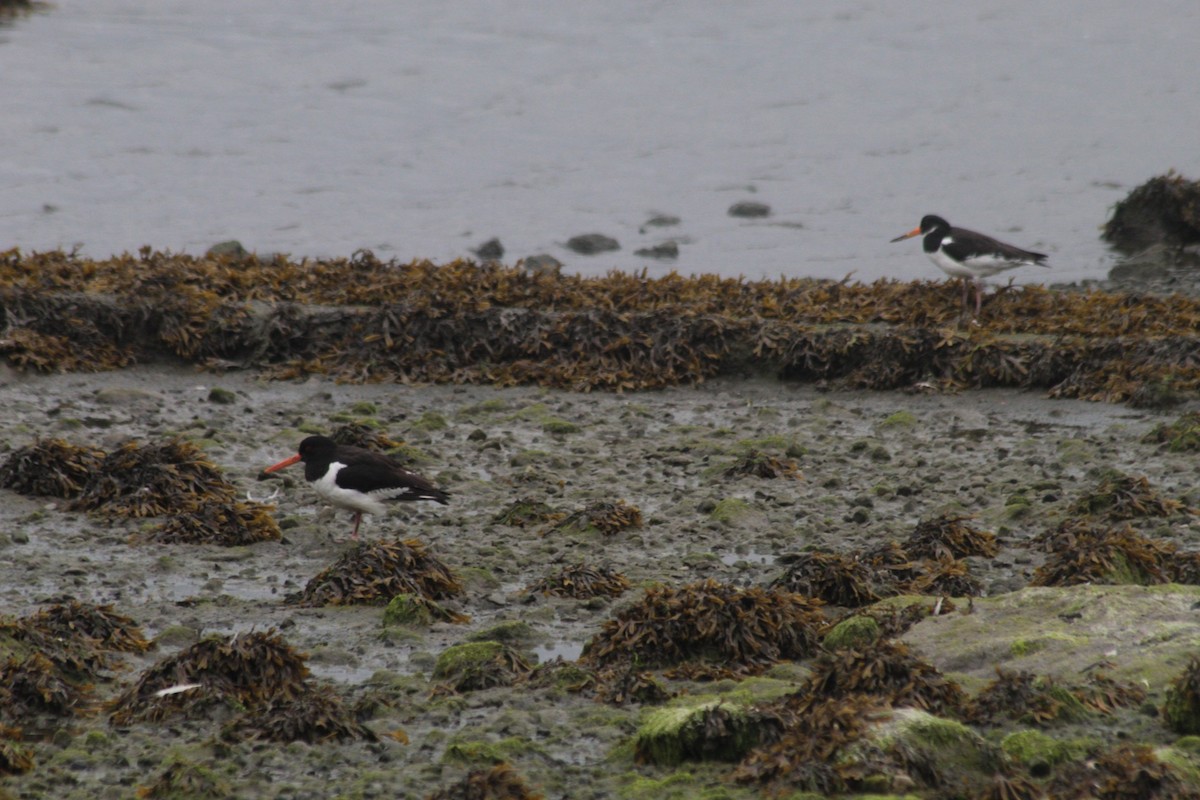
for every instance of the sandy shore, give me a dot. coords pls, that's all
(873, 466)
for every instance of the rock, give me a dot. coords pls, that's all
(491, 250)
(122, 396)
(712, 730)
(230, 249)
(668, 249)
(856, 631)
(659, 221)
(542, 264)
(221, 396)
(588, 244)
(1162, 211)
(749, 209)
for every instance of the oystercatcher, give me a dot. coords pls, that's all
(358, 479)
(965, 254)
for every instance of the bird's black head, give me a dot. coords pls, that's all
(932, 222)
(316, 447)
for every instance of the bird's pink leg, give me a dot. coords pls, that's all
(357, 522)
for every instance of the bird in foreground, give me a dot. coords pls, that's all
(357, 479)
(965, 254)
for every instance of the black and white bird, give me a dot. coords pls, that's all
(965, 254)
(357, 479)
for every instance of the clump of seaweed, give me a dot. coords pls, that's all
(1118, 496)
(619, 684)
(949, 536)
(834, 578)
(1181, 710)
(1080, 552)
(893, 622)
(184, 779)
(1180, 436)
(581, 581)
(36, 685)
(888, 670)
(99, 626)
(76, 657)
(357, 434)
(149, 480)
(528, 512)
(606, 517)
(1020, 695)
(372, 573)
(713, 627)
(500, 782)
(893, 568)
(763, 465)
(246, 670)
(804, 735)
(225, 523)
(363, 319)
(314, 714)
(1184, 567)
(1124, 772)
(946, 576)
(50, 468)
(14, 759)
(478, 665)
(1104, 694)
(1163, 210)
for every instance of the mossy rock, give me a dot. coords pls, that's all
(476, 751)
(900, 419)
(711, 731)
(730, 510)
(430, 421)
(463, 657)
(952, 746)
(407, 609)
(852, 632)
(559, 427)
(1181, 708)
(1039, 751)
(508, 631)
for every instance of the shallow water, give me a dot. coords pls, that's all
(421, 129)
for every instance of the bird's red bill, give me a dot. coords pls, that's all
(287, 462)
(914, 232)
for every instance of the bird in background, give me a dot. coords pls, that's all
(357, 479)
(969, 255)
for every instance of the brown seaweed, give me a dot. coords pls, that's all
(372, 573)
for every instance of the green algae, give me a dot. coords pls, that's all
(559, 427)
(1036, 749)
(461, 658)
(853, 632)
(714, 730)
(730, 510)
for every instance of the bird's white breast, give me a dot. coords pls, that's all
(327, 488)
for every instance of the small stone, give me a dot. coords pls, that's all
(749, 209)
(660, 221)
(665, 250)
(221, 396)
(231, 249)
(588, 244)
(542, 264)
(491, 250)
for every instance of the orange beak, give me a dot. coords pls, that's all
(287, 462)
(914, 232)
